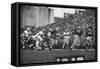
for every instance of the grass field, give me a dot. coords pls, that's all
(42, 56)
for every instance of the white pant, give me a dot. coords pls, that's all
(66, 40)
(76, 41)
(89, 40)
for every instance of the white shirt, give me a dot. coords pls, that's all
(49, 34)
(39, 33)
(66, 33)
(26, 33)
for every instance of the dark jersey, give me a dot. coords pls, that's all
(78, 32)
(53, 34)
(89, 33)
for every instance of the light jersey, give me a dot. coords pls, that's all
(89, 38)
(76, 36)
(26, 33)
(38, 37)
(39, 33)
(33, 37)
(49, 34)
(66, 35)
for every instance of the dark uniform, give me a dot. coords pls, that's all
(78, 32)
(53, 34)
(89, 33)
(46, 39)
(89, 37)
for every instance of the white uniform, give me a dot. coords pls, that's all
(66, 38)
(27, 33)
(49, 34)
(38, 39)
(76, 41)
(39, 33)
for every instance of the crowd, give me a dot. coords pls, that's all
(76, 31)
